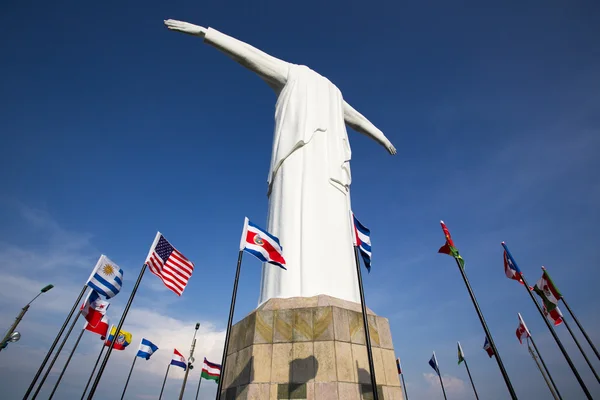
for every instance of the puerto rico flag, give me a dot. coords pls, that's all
(261, 244)
(362, 238)
(94, 308)
(511, 269)
(178, 360)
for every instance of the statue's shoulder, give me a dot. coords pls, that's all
(300, 70)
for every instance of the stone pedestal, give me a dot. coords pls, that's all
(310, 349)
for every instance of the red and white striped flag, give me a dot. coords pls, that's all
(172, 267)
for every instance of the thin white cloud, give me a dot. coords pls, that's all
(454, 386)
(49, 256)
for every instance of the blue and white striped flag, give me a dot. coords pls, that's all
(106, 278)
(362, 239)
(147, 348)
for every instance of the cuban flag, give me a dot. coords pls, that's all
(261, 244)
(94, 308)
(362, 238)
(106, 278)
(147, 348)
(178, 360)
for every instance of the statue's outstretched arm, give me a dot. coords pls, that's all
(273, 70)
(359, 123)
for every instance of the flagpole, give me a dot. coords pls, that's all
(581, 350)
(544, 365)
(56, 339)
(199, 383)
(190, 362)
(541, 371)
(112, 342)
(231, 310)
(554, 335)
(439, 375)
(400, 371)
(513, 395)
(404, 386)
(130, 371)
(37, 391)
(366, 324)
(66, 364)
(164, 381)
(93, 370)
(471, 378)
(580, 327)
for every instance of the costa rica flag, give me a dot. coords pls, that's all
(261, 244)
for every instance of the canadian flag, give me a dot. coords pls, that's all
(522, 331)
(94, 308)
(101, 328)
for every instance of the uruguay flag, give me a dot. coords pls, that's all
(362, 237)
(178, 360)
(261, 244)
(106, 278)
(147, 348)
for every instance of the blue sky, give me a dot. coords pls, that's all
(114, 128)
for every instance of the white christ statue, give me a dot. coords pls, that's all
(309, 177)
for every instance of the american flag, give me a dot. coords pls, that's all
(169, 264)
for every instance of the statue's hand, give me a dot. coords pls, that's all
(185, 27)
(390, 148)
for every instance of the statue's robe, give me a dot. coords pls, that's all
(309, 179)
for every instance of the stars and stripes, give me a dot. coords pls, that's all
(261, 244)
(172, 267)
(362, 238)
(106, 278)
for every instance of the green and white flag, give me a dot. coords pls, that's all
(546, 289)
(461, 355)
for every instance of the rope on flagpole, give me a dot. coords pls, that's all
(544, 365)
(541, 370)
